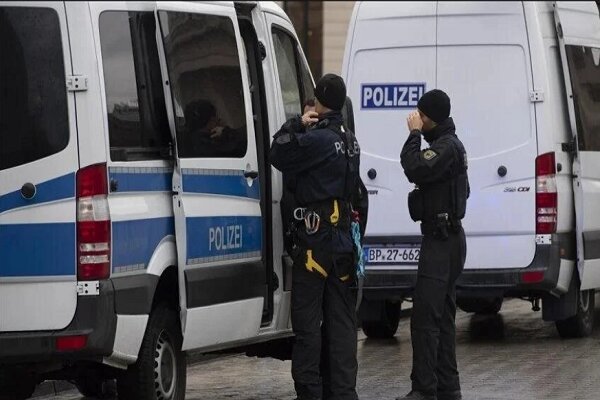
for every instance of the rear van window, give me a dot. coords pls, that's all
(34, 120)
(584, 67)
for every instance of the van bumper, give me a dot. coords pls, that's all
(94, 317)
(542, 275)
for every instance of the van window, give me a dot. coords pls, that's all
(288, 72)
(307, 83)
(294, 75)
(33, 98)
(584, 67)
(206, 84)
(137, 121)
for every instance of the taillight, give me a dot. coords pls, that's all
(93, 224)
(546, 198)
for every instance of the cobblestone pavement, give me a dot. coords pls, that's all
(514, 355)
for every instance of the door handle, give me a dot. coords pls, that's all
(28, 191)
(251, 174)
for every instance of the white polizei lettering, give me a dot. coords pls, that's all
(402, 98)
(421, 89)
(339, 147)
(367, 95)
(388, 102)
(211, 238)
(225, 237)
(395, 96)
(413, 96)
(378, 97)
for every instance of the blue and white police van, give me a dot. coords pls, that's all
(139, 217)
(524, 80)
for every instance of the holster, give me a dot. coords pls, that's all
(441, 227)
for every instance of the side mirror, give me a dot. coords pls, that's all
(348, 114)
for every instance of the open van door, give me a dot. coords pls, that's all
(578, 29)
(216, 199)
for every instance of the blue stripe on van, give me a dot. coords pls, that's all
(134, 242)
(28, 250)
(209, 237)
(56, 189)
(143, 181)
(226, 185)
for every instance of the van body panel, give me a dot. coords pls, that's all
(38, 234)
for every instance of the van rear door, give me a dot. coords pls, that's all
(578, 28)
(483, 63)
(38, 162)
(390, 67)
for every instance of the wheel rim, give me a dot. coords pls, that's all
(584, 300)
(165, 368)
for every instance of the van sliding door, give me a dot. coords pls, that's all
(216, 200)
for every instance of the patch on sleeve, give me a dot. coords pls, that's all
(283, 139)
(429, 155)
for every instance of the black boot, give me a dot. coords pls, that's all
(456, 395)
(413, 395)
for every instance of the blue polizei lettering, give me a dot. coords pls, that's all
(391, 96)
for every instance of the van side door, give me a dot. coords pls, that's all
(578, 29)
(216, 199)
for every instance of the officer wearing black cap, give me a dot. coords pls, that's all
(439, 203)
(323, 159)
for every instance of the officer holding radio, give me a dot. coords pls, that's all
(322, 158)
(439, 203)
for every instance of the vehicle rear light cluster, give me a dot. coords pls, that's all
(93, 224)
(546, 198)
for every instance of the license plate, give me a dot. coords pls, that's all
(393, 255)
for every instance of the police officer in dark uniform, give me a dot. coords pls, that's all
(439, 203)
(323, 159)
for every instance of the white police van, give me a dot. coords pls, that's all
(524, 79)
(138, 212)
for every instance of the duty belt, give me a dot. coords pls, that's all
(314, 214)
(442, 222)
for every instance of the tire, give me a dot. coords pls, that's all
(160, 371)
(483, 306)
(387, 326)
(97, 388)
(581, 324)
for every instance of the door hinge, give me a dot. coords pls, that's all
(90, 288)
(77, 83)
(536, 96)
(569, 147)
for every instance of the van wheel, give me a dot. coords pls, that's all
(96, 387)
(484, 306)
(581, 324)
(160, 371)
(387, 325)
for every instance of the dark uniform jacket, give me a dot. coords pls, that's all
(314, 162)
(440, 172)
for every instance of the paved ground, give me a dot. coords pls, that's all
(514, 355)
